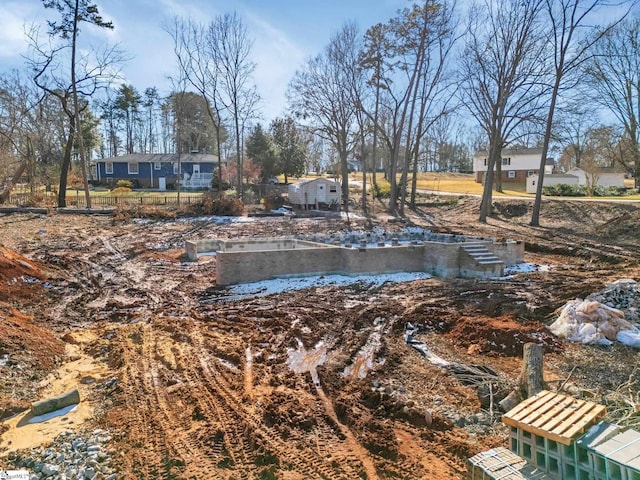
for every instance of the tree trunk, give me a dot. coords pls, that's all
(537, 204)
(64, 169)
(531, 377)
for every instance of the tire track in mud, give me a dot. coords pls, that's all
(164, 438)
(147, 445)
(172, 419)
(303, 458)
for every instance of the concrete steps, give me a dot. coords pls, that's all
(483, 259)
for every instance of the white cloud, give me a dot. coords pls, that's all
(13, 17)
(277, 58)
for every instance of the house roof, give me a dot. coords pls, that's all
(512, 151)
(163, 158)
(311, 180)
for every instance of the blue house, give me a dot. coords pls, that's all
(157, 171)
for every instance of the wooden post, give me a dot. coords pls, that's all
(531, 379)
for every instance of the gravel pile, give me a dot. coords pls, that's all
(623, 295)
(71, 456)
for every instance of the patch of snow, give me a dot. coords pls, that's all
(525, 268)
(511, 270)
(365, 359)
(268, 287)
(303, 360)
(54, 414)
(283, 211)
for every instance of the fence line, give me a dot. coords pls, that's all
(78, 200)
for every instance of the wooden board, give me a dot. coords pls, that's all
(554, 416)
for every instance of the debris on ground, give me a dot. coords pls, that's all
(600, 318)
(194, 381)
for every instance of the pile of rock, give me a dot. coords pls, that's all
(623, 295)
(71, 456)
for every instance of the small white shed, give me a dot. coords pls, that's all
(553, 179)
(314, 193)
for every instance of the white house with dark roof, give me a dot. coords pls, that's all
(517, 164)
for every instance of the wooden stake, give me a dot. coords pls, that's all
(531, 381)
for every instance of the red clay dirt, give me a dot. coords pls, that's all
(203, 388)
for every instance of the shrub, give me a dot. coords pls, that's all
(74, 181)
(250, 197)
(381, 191)
(564, 190)
(609, 191)
(212, 205)
(124, 184)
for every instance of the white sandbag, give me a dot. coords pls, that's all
(630, 338)
(589, 322)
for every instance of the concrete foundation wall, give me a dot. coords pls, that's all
(389, 259)
(253, 266)
(241, 261)
(194, 247)
(441, 259)
(510, 252)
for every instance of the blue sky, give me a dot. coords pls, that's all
(286, 33)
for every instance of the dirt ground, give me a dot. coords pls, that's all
(194, 387)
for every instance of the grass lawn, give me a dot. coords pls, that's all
(465, 184)
(453, 182)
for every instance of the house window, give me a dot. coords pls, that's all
(512, 174)
(157, 165)
(530, 172)
(108, 168)
(94, 171)
(333, 188)
(133, 168)
(506, 161)
(175, 168)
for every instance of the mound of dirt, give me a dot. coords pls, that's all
(27, 352)
(500, 336)
(20, 278)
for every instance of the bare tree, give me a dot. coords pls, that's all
(320, 93)
(87, 72)
(502, 76)
(236, 68)
(196, 53)
(405, 59)
(72, 13)
(572, 127)
(570, 51)
(18, 120)
(614, 73)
